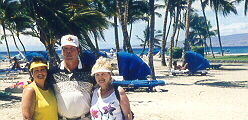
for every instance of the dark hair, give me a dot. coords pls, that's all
(39, 58)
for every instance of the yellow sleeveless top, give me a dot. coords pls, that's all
(46, 107)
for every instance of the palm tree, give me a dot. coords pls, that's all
(226, 8)
(157, 39)
(109, 8)
(199, 31)
(138, 10)
(122, 12)
(10, 27)
(5, 14)
(186, 44)
(179, 5)
(19, 23)
(180, 26)
(57, 18)
(164, 39)
(203, 5)
(246, 5)
(151, 42)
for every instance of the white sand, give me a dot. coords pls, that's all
(183, 98)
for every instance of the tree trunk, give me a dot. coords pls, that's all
(53, 60)
(151, 47)
(186, 42)
(178, 31)
(90, 44)
(218, 30)
(206, 24)
(96, 42)
(116, 35)
(5, 39)
(173, 35)
(126, 42)
(163, 62)
(146, 38)
(18, 36)
(17, 45)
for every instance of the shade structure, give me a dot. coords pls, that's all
(132, 67)
(196, 61)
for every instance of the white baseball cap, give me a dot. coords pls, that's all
(69, 40)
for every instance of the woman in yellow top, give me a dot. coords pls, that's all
(38, 100)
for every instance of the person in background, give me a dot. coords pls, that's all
(112, 52)
(15, 64)
(38, 99)
(105, 105)
(73, 83)
(179, 67)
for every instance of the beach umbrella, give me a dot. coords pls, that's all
(30, 55)
(132, 67)
(196, 61)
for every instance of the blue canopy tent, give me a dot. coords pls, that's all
(30, 55)
(132, 67)
(134, 71)
(196, 62)
(89, 58)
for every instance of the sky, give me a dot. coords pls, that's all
(232, 24)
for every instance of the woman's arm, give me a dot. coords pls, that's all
(28, 103)
(125, 105)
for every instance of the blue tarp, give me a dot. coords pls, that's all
(132, 67)
(89, 58)
(196, 61)
(30, 55)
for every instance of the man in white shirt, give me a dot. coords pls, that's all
(72, 82)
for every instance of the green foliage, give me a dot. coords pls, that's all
(229, 57)
(198, 49)
(176, 52)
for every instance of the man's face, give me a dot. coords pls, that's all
(70, 52)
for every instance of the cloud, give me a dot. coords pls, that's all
(30, 43)
(234, 28)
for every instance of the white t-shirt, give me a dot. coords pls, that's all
(105, 108)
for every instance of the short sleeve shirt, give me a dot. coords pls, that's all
(73, 90)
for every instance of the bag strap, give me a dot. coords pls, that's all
(117, 94)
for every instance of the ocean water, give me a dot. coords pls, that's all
(233, 50)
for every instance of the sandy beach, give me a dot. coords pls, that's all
(220, 95)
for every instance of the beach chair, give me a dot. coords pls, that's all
(134, 71)
(8, 76)
(179, 72)
(215, 66)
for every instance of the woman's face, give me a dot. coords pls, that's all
(103, 78)
(40, 73)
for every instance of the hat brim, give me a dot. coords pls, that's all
(34, 65)
(73, 44)
(100, 70)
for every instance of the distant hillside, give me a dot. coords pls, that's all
(227, 41)
(231, 40)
